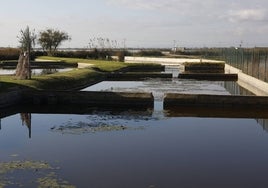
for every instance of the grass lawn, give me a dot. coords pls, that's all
(106, 66)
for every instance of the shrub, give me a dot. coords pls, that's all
(9, 53)
(84, 54)
(149, 53)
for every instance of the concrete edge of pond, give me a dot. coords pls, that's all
(216, 112)
(209, 76)
(89, 98)
(172, 100)
(84, 99)
(256, 86)
(136, 76)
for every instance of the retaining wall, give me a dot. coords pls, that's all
(89, 99)
(216, 112)
(209, 76)
(252, 84)
(177, 100)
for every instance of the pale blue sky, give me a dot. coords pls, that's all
(143, 23)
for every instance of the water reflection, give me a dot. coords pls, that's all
(166, 150)
(263, 123)
(236, 89)
(93, 120)
(26, 119)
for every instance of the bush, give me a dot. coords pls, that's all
(149, 53)
(14, 53)
(9, 53)
(84, 54)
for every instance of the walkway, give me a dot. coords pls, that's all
(164, 61)
(84, 65)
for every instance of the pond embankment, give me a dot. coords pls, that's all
(88, 98)
(176, 99)
(197, 105)
(82, 77)
(256, 86)
(82, 99)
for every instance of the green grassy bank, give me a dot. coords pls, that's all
(70, 80)
(59, 81)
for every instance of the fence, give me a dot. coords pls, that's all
(253, 62)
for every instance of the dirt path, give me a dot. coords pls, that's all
(84, 65)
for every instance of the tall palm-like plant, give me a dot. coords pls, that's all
(27, 40)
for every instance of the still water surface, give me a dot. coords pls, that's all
(137, 149)
(35, 71)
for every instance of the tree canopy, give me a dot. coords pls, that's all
(50, 39)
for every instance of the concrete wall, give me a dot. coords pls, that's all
(209, 76)
(89, 99)
(176, 99)
(256, 86)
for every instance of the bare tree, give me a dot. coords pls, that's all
(27, 40)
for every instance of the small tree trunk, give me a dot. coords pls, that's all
(29, 62)
(19, 68)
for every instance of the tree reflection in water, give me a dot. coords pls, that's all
(26, 119)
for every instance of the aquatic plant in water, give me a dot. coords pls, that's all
(46, 177)
(82, 128)
(105, 122)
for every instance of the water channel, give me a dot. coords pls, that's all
(135, 148)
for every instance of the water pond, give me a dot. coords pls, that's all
(135, 148)
(35, 71)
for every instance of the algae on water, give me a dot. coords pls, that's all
(43, 172)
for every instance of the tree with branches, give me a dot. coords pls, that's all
(51, 39)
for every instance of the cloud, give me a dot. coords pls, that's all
(141, 4)
(160, 5)
(248, 15)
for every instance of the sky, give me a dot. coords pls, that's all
(141, 23)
